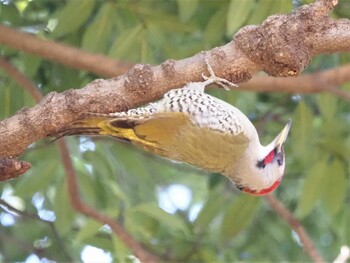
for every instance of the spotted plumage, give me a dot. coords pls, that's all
(202, 109)
(188, 125)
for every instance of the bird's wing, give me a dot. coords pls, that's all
(174, 136)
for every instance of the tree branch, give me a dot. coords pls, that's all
(11, 168)
(324, 81)
(79, 205)
(25, 214)
(66, 55)
(282, 46)
(294, 223)
(72, 184)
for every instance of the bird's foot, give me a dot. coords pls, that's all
(226, 84)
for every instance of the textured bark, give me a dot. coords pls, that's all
(282, 46)
(12, 168)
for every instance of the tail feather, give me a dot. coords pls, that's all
(101, 124)
(87, 124)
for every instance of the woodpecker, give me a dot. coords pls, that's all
(188, 125)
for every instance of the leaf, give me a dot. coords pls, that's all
(238, 12)
(186, 9)
(37, 179)
(96, 36)
(119, 250)
(212, 33)
(334, 194)
(209, 212)
(72, 16)
(261, 11)
(313, 188)
(31, 64)
(90, 229)
(281, 7)
(341, 226)
(125, 42)
(115, 190)
(238, 216)
(302, 133)
(171, 221)
(63, 209)
(327, 105)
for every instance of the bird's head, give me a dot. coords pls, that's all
(271, 164)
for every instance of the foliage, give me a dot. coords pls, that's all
(215, 222)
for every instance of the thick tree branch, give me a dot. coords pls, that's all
(72, 183)
(266, 47)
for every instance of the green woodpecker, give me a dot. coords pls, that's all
(188, 125)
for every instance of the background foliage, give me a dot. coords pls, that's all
(175, 210)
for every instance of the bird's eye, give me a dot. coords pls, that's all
(280, 158)
(279, 161)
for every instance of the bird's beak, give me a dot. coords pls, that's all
(281, 138)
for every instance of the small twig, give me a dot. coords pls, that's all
(37, 218)
(17, 243)
(83, 208)
(294, 223)
(21, 79)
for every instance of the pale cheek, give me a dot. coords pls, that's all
(271, 175)
(283, 169)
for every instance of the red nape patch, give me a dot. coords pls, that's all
(269, 158)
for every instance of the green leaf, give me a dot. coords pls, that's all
(120, 250)
(238, 12)
(281, 7)
(10, 14)
(261, 11)
(186, 9)
(115, 190)
(334, 194)
(100, 242)
(37, 179)
(96, 36)
(31, 64)
(171, 221)
(212, 33)
(238, 216)
(341, 226)
(209, 212)
(90, 229)
(63, 209)
(125, 42)
(302, 133)
(327, 105)
(313, 188)
(72, 16)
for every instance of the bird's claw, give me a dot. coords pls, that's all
(226, 84)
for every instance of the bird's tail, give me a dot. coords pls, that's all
(93, 124)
